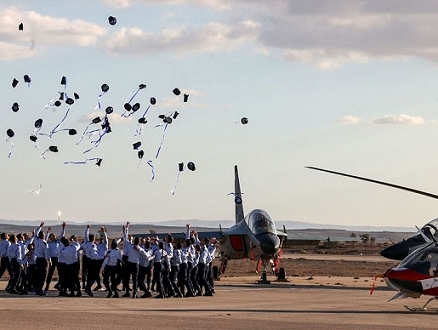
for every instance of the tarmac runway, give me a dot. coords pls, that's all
(237, 304)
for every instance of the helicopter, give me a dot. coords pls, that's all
(417, 273)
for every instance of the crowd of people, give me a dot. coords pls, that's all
(143, 265)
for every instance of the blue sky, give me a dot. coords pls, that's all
(348, 85)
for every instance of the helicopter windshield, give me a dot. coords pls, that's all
(260, 222)
(423, 260)
(429, 230)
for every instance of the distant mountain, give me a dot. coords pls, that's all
(290, 225)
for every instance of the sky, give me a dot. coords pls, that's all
(346, 85)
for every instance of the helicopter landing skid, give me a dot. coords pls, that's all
(424, 307)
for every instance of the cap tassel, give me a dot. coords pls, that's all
(97, 159)
(12, 147)
(176, 183)
(152, 170)
(162, 141)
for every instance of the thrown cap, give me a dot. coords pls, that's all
(104, 88)
(112, 20)
(15, 107)
(14, 82)
(136, 145)
(191, 166)
(176, 91)
(38, 123)
(10, 133)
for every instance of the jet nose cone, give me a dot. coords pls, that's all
(397, 251)
(269, 244)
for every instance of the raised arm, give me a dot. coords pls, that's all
(87, 232)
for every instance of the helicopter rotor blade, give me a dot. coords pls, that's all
(424, 193)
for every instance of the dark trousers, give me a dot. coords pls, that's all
(110, 274)
(62, 276)
(15, 267)
(209, 275)
(71, 278)
(52, 267)
(194, 279)
(183, 279)
(85, 266)
(158, 278)
(174, 270)
(133, 272)
(125, 273)
(202, 271)
(93, 270)
(41, 265)
(5, 264)
(99, 266)
(75, 276)
(142, 274)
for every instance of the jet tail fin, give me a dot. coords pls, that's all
(238, 196)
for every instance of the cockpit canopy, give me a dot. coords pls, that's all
(259, 222)
(423, 260)
(430, 229)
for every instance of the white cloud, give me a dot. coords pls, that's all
(208, 38)
(114, 118)
(348, 120)
(215, 4)
(400, 119)
(42, 30)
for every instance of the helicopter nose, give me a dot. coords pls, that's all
(398, 251)
(401, 250)
(269, 244)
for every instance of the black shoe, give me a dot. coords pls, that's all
(13, 291)
(71, 294)
(79, 294)
(179, 295)
(88, 291)
(198, 294)
(97, 288)
(146, 295)
(159, 296)
(126, 294)
(109, 295)
(116, 295)
(209, 294)
(24, 292)
(41, 293)
(57, 287)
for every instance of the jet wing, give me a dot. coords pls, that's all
(241, 228)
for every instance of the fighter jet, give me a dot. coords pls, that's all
(253, 236)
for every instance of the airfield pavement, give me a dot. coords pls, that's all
(304, 302)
